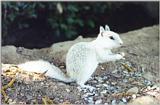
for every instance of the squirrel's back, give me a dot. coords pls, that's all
(78, 56)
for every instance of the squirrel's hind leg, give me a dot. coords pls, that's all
(86, 72)
(81, 82)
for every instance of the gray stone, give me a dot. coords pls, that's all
(133, 90)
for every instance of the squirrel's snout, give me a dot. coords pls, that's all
(121, 43)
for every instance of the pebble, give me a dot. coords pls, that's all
(148, 76)
(94, 81)
(42, 83)
(98, 101)
(124, 99)
(61, 84)
(125, 80)
(138, 74)
(117, 75)
(100, 80)
(29, 97)
(10, 100)
(114, 102)
(104, 92)
(112, 88)
(121, 103)
(106, 85)
(90, 100)
(134, 96)
(96, 94)
(147, 82)
(106, 104)
(102, 68)
(114, 71)
(155, 87)
(133, 90)
(105, 78)
(144, 100)
(126, 72)
(87, 95)
(68, 90)
(99, 85)
(113, 83)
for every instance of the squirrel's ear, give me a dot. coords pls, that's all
(107, 28)
(101, 29)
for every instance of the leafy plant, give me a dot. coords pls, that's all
(66, 19)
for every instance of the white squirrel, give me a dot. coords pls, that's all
(82, 59)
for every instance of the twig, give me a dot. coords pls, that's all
(127, 67)
(44, 100)
(5, 96)
(9, 84)
(42, 75)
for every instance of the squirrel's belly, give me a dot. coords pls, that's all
(82, 69)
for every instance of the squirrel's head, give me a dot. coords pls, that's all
(109, 39)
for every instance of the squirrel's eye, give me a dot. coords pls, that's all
(111, 37)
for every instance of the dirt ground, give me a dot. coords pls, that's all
(112, 79)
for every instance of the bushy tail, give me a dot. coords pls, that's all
(41, 66)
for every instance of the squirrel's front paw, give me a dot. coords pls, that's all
(121, 55)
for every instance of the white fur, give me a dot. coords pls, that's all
(40, 66)
(107, 28)
(82, 58)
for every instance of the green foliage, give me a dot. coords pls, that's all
(65, 18)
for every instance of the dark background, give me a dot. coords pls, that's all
(40, 24)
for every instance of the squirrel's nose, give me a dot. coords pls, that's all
(121, 43)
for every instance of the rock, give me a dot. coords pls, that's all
(124, 99)
(68, 90)
(113, 83)
(144, 100)
(114, 71)
(102, 68)
(96, 94)
(147, 82)
(100, 80)
(153, 91)
(133, 90)
(98, 101)
(105, 77)
(124, 71)
(79, 88)
(106, 85)
(125, 80)
(10, 55)
(106, 104)
(121, 103)
(90, 100)
(134, 96)
(87, 95)
(94, 81)
(99, 85)
(148, 76)
(114, 102)
(61, 84)
(104, 92)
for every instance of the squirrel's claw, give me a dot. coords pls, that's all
(122, 53)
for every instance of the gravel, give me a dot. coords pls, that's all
(110, 88)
